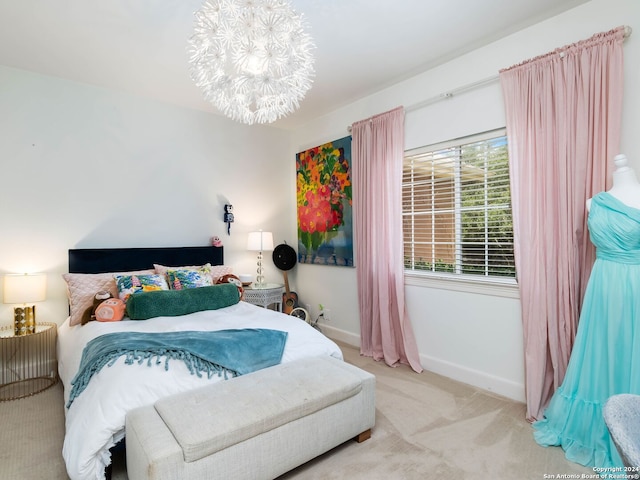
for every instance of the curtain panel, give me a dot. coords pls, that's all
(377, 152)
(563, 114)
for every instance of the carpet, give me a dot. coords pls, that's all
(427, 427)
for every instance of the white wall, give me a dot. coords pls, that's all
(476, 338)
(83, 167)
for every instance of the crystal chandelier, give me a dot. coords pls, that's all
(251, 58)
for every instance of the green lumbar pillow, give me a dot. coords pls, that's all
(171, 303)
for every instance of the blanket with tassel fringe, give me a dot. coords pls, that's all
(220, 352)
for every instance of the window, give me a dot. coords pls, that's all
(457, 208)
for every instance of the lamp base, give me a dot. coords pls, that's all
(24, 320)
(259, 276)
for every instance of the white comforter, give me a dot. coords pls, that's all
(95, 421)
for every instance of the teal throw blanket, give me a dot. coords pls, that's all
(219, 352)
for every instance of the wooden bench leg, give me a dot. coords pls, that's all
(366, 435)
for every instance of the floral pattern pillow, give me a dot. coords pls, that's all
(163, 269)
(215, 271)
(189, 278)
(131, 284)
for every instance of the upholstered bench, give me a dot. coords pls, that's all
(257, 426)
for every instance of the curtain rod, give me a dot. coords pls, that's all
(627, 33)
(447, 94)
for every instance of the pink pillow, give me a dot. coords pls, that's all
(218, 271)
(81, 287)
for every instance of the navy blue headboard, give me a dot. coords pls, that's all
(103, 260)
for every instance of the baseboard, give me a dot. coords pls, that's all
(341, 335)
(483, 380)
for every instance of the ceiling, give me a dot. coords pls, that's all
(363, 46)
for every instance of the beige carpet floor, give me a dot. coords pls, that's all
(427, 427)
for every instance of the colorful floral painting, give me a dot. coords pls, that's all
(325, 230)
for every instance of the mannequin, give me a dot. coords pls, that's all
(604, 355)
(626, 187)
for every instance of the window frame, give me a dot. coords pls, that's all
(482, 284)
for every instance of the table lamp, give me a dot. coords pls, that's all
(260, 242)
(25, 289)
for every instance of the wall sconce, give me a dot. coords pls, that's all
(260, 242)
(25, 289)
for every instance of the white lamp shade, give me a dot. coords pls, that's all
(25, 288)
(260, 241)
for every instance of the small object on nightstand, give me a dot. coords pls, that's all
(28, 363)
(265, 295)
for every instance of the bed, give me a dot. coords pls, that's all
(95, 419)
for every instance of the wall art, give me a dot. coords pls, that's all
(325, 227)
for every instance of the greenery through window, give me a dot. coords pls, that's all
(456, 208)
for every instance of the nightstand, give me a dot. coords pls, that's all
(28, 363)
(265, 295)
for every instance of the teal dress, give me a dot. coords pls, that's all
(605, 359)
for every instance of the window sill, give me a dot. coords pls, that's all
(507, 287)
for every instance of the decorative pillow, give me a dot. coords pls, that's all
(90, 313)
(81, 288)
(188, 278)
(216, 271)
(132, 284)
(172, 303)
(162, 269)
(111, 310)
(232, 279)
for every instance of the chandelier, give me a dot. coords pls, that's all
(251, 58)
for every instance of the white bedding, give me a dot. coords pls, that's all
(95, 421)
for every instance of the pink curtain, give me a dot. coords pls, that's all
(378, 150)
(563, 115)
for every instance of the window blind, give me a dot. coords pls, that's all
(457, 207)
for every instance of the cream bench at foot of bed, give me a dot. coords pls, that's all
(257, 426)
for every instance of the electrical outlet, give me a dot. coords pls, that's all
(326, 313)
